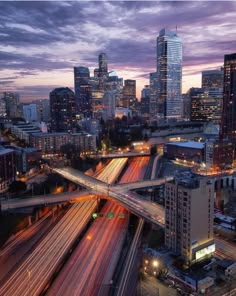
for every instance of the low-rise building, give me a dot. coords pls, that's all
(50, 143)
(190, 151)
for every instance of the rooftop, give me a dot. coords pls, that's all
(190, 144)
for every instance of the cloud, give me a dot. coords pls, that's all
(47, 37)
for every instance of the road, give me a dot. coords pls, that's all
(225, 248)
(94, 260)
(128, 199)
(33, 274)
(135, 170)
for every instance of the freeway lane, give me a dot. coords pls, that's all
(35, 272)
(94, 260)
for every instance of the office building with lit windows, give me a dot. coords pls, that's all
(83, 89)
(169, 72)
(63, 110)
(189, 209)
(129, 93)
(206, 105)
(213, 78)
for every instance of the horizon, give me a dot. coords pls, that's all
(41, 42)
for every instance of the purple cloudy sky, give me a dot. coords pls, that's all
(40, 42)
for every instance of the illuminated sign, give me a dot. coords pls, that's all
(205, 251)
(108, 215)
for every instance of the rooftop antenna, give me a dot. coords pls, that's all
(176, 29)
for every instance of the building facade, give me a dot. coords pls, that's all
(189, 209)
(63, 110)
(50, 143)
(82, 90)
(206, 105)
(129, 93)
(169, 71)
(228, 121)
(213, 78)
(7, 168)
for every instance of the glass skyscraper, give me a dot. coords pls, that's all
(169, 72)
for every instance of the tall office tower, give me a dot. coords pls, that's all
(145, 101)
(169, 71)
(43, 106)
(12, 104)
(153, 80)
(30, 112)
(186, 106)
(213, 78)
(3, 112)
(63, 110)
(102, 65)
(189, 209)
(228, 121)
(129, 93)
(206, 104)
(82, 90)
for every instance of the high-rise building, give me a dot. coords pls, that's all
(102, 65)
(187, 233)
(145, 100)
(43, 106)
(12, 101)
(213, 78)
(82, 90)
(63, 110)
(3, 112)
(129, 93)
(169, 71)
(153, 80)
(228, 121)
(30, 112)
(205, 105)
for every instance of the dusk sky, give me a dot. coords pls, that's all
(41, 42)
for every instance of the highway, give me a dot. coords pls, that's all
(135, 170)
(23, 235)
(31, 277)
(93, 262)
(84, 272)
(128, 199)
(122, 290)
(225, 248)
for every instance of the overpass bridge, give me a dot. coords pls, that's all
(96, 189)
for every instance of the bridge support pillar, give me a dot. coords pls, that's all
(29, 220)
(36, 216)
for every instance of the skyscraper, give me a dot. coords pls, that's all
(153, 79)
(129, 93)
(228, 121)
(82, 90)
(102, 65)
(63, 110)
(169, 71)
(212, 78)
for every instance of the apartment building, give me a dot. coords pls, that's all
(189, 209)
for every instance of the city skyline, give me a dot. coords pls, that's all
(41, 42)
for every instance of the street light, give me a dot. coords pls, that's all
(155, 263)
